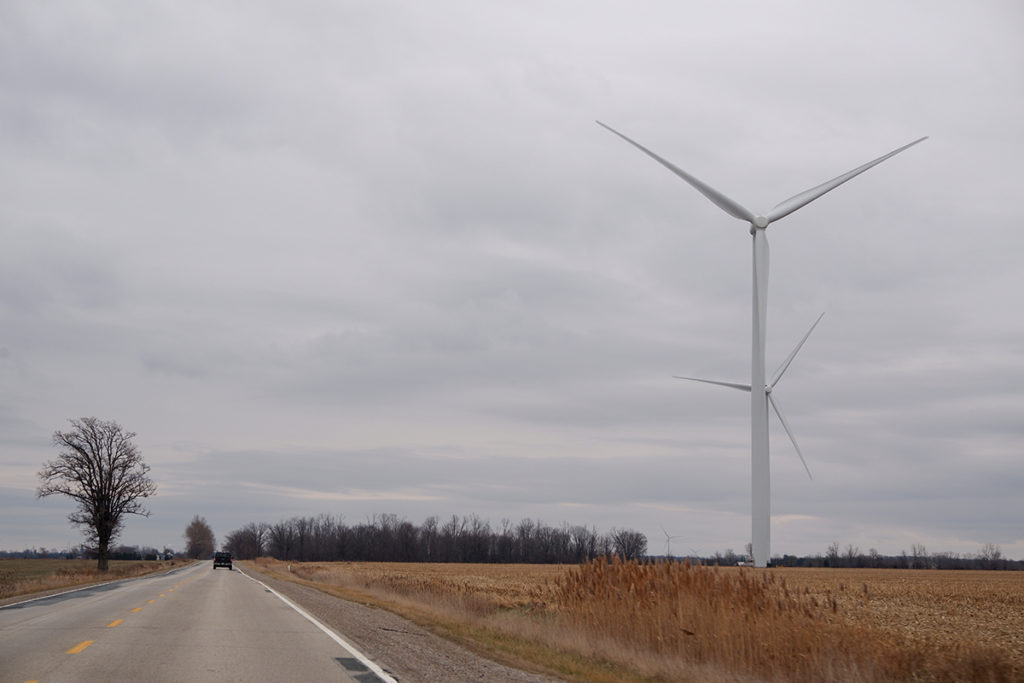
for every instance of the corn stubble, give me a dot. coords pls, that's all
(680, 622)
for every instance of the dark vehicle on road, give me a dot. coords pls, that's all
(222, 559)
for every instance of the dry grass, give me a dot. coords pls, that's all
(772, 625)
(22, 577)
(677, 622)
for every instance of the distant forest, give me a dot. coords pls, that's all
(388, 538)
(989, 557)
(82, 552)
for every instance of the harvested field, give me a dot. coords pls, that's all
(494, 586)
(929, 606)
(674, 622)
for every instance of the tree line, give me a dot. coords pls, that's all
(389, 538)
(990, 556)
(84, 552)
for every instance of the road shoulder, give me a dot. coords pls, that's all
(405, 650)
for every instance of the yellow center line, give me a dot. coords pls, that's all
(78, 648)
(162, 595)
(115, 623)
(137, 609)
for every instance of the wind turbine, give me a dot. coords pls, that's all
(761, 392)
(668, 543)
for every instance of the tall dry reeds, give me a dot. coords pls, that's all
(749, 623)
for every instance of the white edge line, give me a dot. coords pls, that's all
(334, 636)
(94, 585)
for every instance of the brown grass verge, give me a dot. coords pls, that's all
(19, 577)
(675, 622)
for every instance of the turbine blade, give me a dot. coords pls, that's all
(807, 196)
(731, 207)
(731, 385)
(785, 365)
(785, 425)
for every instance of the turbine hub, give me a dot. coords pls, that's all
(760, 222)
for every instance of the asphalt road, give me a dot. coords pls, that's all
(194, 624)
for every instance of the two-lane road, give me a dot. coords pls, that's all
(194, 624)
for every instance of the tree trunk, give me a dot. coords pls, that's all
(102, 553)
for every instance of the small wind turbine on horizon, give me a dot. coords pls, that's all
(668, 543)
(760, 391)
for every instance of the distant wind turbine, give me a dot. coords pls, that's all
(761, 392)
(668, 543)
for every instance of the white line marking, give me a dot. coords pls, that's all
(334, 636)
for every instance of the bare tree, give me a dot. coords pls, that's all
(429, 539)
(833, 554)
(281, 540)
(102, 470)
(629, 544)
(920, 555)
(199, 539)
(249, 542)
(990, 556)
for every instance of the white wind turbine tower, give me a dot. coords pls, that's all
(760, 391)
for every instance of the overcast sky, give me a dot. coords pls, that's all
(376, 257)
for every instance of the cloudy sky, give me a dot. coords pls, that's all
(376, 257)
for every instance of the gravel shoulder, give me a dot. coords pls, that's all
(405, 650)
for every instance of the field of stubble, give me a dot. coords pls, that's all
(941, 607)
(674, 622)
